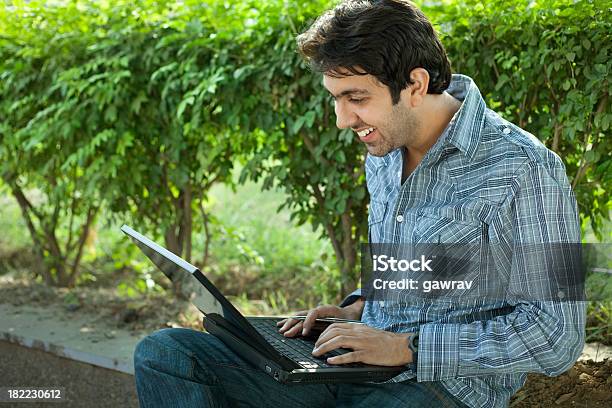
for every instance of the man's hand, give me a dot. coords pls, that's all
(369, 345)
(292, 327)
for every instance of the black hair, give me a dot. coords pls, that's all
(383, 38)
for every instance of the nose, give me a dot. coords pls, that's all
(345, 117)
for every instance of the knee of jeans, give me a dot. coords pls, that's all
(157, 347)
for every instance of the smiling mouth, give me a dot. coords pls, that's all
(367, 135)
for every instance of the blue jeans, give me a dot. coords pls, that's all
(188, 368)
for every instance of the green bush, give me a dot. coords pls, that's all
(93, 116)
(140, 108)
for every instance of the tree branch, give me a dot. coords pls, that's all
(91, 213)
(556, 137)
(187, 222)
(206, 234)
(68, 246)
(26, 208)
(328, 227)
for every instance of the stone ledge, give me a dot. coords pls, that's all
(110, 363)
(78, 337)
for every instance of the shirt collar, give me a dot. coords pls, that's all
(465, 128)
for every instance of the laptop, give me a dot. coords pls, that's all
(256, 339)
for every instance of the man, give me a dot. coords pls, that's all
(441, 168)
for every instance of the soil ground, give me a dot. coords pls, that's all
(586, 385)
(85, 385)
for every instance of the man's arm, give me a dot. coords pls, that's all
(538, 336)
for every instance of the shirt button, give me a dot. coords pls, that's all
(506, 131)
(399, 218)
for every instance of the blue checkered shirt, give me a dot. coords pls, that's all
(484, 179)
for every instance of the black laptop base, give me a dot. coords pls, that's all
(287, 371)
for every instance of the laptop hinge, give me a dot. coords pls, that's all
(265, 349)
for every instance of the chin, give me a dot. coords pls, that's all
(377, 151)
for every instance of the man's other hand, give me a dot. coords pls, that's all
(291, 327)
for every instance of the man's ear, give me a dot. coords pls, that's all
(420, 82)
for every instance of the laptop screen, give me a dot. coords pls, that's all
(207, 299)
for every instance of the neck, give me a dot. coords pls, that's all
(434, 116)
(436, 113)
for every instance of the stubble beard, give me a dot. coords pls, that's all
(400, 129)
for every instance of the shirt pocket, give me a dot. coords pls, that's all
(376, 216)
(448, 225)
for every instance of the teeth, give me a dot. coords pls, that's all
(365, 132)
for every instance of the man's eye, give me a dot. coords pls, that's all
(356, 101)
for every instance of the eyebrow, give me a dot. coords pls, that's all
(352, 91)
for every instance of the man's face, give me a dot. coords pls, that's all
(362, 104)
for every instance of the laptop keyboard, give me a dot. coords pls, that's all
(297, 349)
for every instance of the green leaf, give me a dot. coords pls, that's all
(340, 156)
(297, 125)
(183, 105)
(111, 114)
(309, 118)
(566, 85)
(341, 206)
(586, 44)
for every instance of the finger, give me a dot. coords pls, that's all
(310, 320)
(289, 322)
(321, 311)
(351, 357)
(340, 341)
(300, 313)
(325, 334)
(348, 329)
(294, 330)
